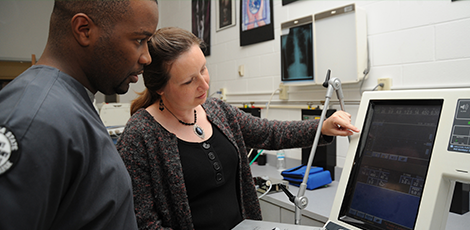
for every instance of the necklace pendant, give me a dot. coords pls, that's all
(198, 131)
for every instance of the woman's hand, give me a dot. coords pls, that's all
(338, 124)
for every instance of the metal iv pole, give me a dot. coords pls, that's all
(300, 200)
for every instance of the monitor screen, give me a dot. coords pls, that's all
(391, 164)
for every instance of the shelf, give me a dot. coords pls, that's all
(11, 69)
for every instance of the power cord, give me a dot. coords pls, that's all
(216, 92)
(366, 71)
(269, 102)
(377, 86)
(267, 112)
(249, 154)
(268, 183)
(256, 157)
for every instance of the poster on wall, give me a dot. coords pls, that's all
(285, 2)
(225, 14)
(201, 22)
(256, 21)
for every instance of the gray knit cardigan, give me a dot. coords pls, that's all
(151, 155)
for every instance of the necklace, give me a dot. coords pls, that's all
(196, 128)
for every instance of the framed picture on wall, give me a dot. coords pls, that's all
(285, 2)
(225, 14)
(256, 21)
(201, 22)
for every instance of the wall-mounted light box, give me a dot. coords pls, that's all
(335, 39)
(341, 44)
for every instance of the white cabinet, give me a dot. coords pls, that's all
(281, 213)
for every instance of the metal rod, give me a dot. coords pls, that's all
(301, 201)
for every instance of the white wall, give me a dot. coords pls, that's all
(24, 27)
(418, 44)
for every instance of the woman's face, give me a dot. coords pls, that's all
(189, 80)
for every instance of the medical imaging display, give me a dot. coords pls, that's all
(392, 160)
(297, 54)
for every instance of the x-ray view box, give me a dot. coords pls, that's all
(341, 44)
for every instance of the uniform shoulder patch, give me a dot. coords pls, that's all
(9, 150)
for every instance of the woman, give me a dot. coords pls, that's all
(186, 153)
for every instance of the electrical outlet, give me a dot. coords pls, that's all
(223, 95)
(283, 95)
(387, 83)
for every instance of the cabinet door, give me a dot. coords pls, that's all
(270, 211)
(288, 217)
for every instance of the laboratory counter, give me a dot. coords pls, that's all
(276, 207)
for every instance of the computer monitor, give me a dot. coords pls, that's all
(401, 169)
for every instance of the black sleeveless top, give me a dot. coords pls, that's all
(211, 177)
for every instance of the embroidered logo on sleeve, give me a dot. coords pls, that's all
(9, 150)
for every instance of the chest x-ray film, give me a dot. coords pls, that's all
(297, 50)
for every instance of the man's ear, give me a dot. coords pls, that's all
(82, 27)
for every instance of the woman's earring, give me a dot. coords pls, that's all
(161, 107)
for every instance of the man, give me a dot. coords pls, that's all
(59, 169)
